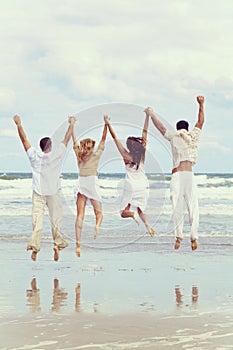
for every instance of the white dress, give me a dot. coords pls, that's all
(89, 187)
(136, 188)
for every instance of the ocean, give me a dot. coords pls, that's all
(215, 193)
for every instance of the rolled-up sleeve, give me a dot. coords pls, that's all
(31, 153)
(195, 134)
(169, 135)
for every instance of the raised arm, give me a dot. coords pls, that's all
(75, 142)
(69, 131)
(157, 123)
(123, 151)
(104, 134)
(200, 121)
(145, 130)
(21, 133)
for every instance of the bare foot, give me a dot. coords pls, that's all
(135, 217)
(97, 228)
(194, 244)
(78, 249)
(34, 255)
(56, 253)
(151, 232)
(177, 243)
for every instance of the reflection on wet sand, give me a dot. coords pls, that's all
(78, 303)
(179, 296)
(77, 299)
(194, 294)
(33, 297)
(59, 296)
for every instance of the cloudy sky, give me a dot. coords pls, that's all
(66, 57)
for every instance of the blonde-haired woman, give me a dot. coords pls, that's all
(88, 186)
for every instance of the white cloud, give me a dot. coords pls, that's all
(216, 145)
(7, 98)
(60, 57)
(8, 133)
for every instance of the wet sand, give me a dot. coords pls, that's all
(112, 299)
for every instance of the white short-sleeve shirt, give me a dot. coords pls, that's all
(46, 169)
(184, 145)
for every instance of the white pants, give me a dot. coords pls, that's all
(183, 194)
(55, 213)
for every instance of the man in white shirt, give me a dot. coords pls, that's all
(46, 169)
(184, 146)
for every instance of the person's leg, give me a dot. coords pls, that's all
(81, 205)
(193, 209)
(177, 199)
(54, 205)
(97, 206)
(146, 223)
(127, 213)
(38, 207)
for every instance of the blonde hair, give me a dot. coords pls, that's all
(86, 145)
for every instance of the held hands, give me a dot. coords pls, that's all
(106, 119)
(17, 120)
(200, 99)
(149, 111)
(71, 120)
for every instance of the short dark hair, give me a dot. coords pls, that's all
(45, 143)
(182, 124)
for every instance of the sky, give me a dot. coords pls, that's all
(87, 58)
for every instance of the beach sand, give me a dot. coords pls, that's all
(147, 298)
(127, 331)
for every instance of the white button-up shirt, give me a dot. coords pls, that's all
(46, 169)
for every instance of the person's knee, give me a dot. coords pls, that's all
(122, 213)
(98, 214)
(139, 211)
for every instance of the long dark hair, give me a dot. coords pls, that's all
(136, 150)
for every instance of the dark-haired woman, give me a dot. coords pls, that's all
(136, 186)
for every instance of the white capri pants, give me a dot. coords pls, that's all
(183, 193)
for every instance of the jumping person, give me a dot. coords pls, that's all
(184, 145)
(46, 169)
(136, 187)
(88, 186)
